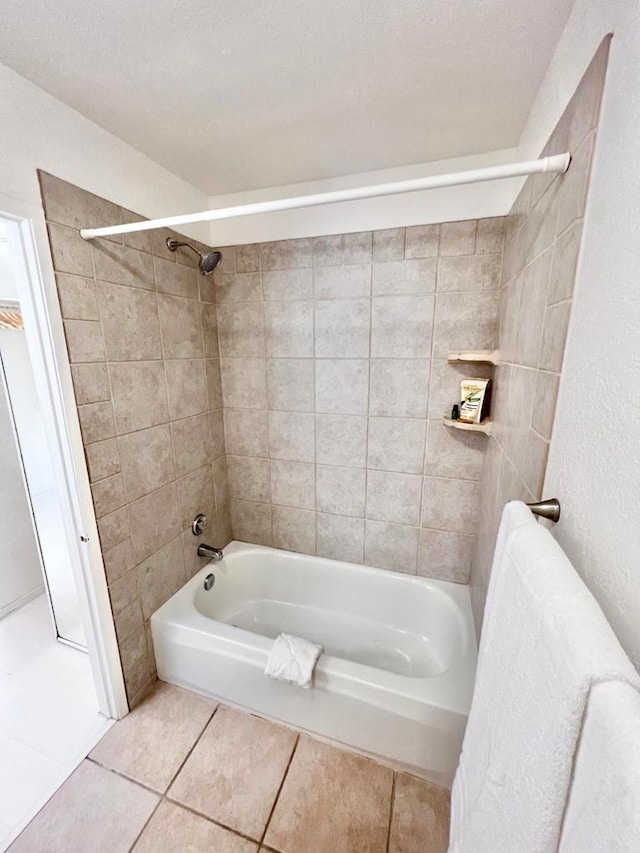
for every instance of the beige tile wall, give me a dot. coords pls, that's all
(141, 330)
(334, 381)
(538, 273)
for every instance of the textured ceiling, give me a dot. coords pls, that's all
(255, 93)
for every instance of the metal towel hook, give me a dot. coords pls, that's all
(546, 509)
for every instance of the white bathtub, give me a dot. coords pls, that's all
(397, 674)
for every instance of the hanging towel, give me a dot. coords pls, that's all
(293, 659)
(544, 642)
(603, 813)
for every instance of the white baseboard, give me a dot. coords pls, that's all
(6, 609)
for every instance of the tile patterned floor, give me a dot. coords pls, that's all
(182, 773)
(48, 714)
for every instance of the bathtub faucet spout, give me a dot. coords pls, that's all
(211, 552)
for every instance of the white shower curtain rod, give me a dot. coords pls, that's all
(557, 163)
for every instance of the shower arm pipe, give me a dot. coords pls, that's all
(556, 163)
(177, 245)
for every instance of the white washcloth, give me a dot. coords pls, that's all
(293, 659)
(544, 642)
(603, 813)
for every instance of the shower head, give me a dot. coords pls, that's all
(208, 260)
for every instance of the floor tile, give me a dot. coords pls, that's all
(420, 819)
(61, 671)
(173, 828)
(26, 777)
(24, 634)
(16, 651)
(150, 744)
(95, 811)
(49, 715)
(32, 621)
(58, 729)
(234, 773)
(331, 801)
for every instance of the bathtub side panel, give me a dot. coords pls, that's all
(428, 747)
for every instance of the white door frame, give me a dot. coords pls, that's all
(47, 349)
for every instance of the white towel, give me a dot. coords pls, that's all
(603, 814)
(544, 642)
(293, 659)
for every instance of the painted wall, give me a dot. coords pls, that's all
(39, 131)
(41, 482)
(140, 327)
(7, 281)
(594, 461)
(474, 201)
(334, 381)
(538, 273)
(26, 410)
(20, 569)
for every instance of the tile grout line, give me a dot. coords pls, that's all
(371, 295)
(428, 412)
(146, 823)
(363, 517)
(123, 775)
(208, 818)
(281, 786)
(224, 455)
(392, 803)
(368, 424)
(263, 359)
(196, 742)
(261, 301)
(315, 416)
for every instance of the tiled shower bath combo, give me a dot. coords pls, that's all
(297, 400)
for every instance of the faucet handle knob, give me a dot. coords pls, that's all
(200, 524)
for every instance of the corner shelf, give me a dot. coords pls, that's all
(484, 427)
(481, 356)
